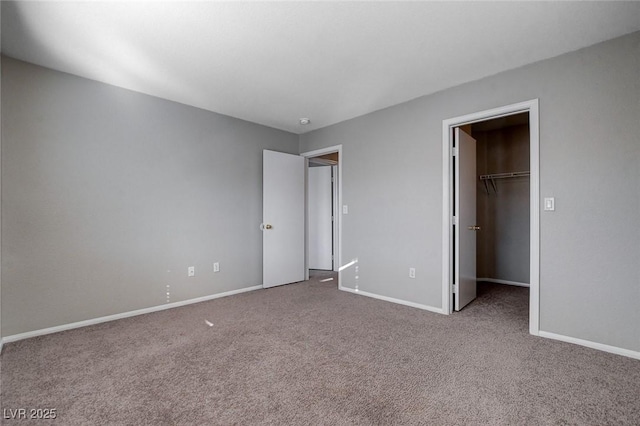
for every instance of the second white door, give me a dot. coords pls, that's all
(320, 215)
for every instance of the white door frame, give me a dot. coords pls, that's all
(531, 107)
(336, 213)
(337, 257)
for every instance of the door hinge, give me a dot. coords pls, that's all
(454, 151)
(454, 220)
(331, 218)
(454, 288)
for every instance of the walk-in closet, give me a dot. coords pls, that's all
(503, 200)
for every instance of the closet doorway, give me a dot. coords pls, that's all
(491, 202)
(502, 199)
(322, 202)
(324, 197)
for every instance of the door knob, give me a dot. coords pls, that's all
(267, 226)
(474, 228)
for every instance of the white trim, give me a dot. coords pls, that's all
(589, 344)
(338, 218)
(534, 179)
(85, 323)
(391, 299)
(507, 282)
(447, 264)
(534, 221)
(306, 219)
(323, 151)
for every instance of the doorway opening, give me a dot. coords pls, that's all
(324, 197)
(322, 194)
(490, 163)
(502, 201)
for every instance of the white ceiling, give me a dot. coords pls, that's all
(274, 62)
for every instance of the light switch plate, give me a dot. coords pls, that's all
(549, 204)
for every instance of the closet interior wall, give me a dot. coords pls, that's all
(503, 214)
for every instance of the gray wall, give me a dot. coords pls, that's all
(104, 191)
(590, 246)
(503, 250)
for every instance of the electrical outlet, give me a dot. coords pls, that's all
(412, 272)
(216, 267)
(191, 271)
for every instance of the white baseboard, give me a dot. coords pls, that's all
(71, 326)
(507, 282)
(392, 300)
(589, 344)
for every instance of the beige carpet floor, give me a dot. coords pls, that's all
(309, 354)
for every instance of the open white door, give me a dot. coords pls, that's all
(320, 218)
(465, 206)
(283, 215)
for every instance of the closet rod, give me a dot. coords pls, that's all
(504, 175)
(493, 177)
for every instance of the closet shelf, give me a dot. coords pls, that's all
(492, 178)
